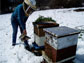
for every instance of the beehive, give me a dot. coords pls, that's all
(39, 34)
(60, 45)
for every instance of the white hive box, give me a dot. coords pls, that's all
(61, 43)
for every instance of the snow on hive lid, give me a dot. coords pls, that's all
(61, 31)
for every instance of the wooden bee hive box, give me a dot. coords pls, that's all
(60, 45)
(39, 34)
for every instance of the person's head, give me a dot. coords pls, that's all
(29, 6)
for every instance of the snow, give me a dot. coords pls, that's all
(17, 54)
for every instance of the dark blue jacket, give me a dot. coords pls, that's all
(19, 16)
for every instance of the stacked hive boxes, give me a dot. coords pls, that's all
(60, 45)
(39, 34)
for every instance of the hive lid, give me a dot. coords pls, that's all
(61, 31)
(45, 24)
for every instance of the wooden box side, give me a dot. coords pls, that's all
(58, 55)
(38, 28)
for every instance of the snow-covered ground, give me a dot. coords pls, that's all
(65, 17)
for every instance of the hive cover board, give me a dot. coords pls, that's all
(61, 31)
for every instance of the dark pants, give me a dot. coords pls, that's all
(15, 26)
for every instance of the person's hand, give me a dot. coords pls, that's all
(24, 32)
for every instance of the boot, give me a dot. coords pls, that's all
(13, 44)
(27, 48)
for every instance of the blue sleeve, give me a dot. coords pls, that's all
(21, 18)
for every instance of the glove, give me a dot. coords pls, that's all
(24, 32)
(24, 37)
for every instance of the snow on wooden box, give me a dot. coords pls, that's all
(59, 42)
(39, 34)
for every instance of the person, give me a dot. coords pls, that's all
(19, 18)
